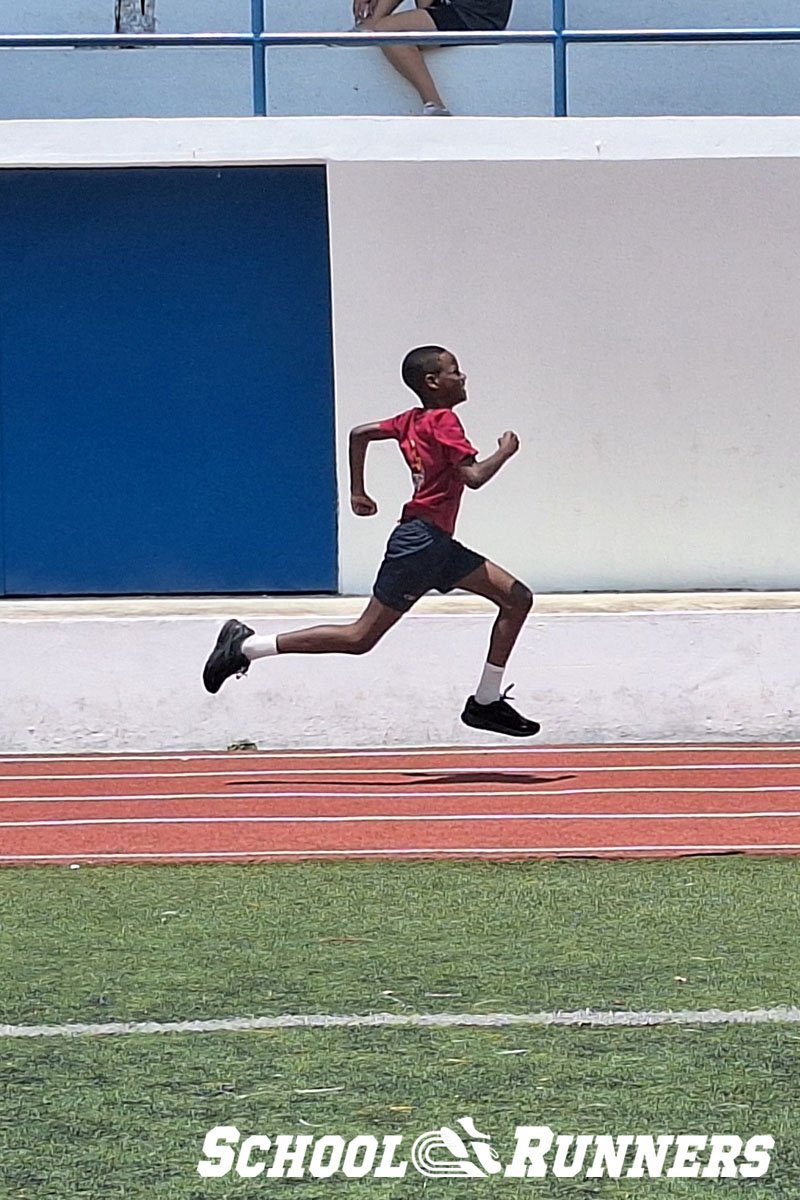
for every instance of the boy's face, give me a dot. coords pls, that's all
(450, 384)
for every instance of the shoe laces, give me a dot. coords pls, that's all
(504, 695)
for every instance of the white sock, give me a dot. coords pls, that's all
(260, 647)
(488, 690)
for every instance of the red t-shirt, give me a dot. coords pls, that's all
(433, 443)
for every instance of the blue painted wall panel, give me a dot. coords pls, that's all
(166, 389)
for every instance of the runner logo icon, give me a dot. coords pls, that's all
(426, 1160)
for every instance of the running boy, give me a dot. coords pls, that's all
(421, 553)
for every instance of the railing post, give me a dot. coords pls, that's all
(259, 60)
(559, 59)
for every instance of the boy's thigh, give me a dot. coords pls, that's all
(496, 584)
(377, 619)
(410, 567)
(457, 564)
(400, 583)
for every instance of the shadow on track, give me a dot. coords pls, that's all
(413, 780)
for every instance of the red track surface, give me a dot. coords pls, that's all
(634, 801)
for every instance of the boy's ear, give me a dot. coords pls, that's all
(432, 380)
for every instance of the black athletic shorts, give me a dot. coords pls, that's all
(454, 15)
(420, 556)
(446, 16)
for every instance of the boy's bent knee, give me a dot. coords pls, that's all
(520, 598)
(360, 642)
(356, 646)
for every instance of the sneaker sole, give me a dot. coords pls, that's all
(222, 646)
(489, 727)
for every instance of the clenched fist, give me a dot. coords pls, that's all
(508, 443)
(363, 506)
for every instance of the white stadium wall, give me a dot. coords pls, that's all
(489, 80)
(633, 322)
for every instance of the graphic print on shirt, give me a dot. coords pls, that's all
(417, 467)
(433, 443)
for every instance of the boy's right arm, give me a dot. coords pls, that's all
(360, 437)
(476, 474)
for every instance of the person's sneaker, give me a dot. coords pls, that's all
(226, 658)
(498, 717)
(435, 110)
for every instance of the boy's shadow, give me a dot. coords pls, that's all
(492, 776)
(410, 779)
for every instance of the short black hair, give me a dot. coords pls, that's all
(422, 361)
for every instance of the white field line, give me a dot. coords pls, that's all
(326, 771)
(456, 818)
(429, 752)
(580, 1018)
(407, 795)
(404, 852)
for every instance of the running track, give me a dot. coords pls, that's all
(513, 802)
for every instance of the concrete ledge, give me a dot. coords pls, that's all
(332, 607)
(248, 141)
(124, 675)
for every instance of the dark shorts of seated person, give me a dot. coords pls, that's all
(454, 15)
(419, 557)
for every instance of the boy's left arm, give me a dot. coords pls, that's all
(360, 437)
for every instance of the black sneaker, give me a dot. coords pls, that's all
(498, 717)
(226, 658)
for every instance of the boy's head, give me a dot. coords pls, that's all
(433, 374)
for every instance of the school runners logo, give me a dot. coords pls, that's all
(428, 1163)
(451, 1153)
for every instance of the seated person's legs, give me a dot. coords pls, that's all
(444, 15)
(408, 60)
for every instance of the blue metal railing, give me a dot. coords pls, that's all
(559, 37)
(259, 55)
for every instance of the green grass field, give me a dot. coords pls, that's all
(126, 1116)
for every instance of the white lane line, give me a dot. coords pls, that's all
(429, 752)
(282, 771)
(456, 818)
(582, 1017)
(111, 798)
(405, 852)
